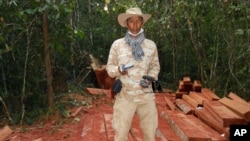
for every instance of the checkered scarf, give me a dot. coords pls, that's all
(135, 43)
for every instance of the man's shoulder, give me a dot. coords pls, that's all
(149, 42)
(118, 43)
(119, 40)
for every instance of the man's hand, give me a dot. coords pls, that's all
(146, 81)
(123, 69)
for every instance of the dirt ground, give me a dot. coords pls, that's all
(92, 123)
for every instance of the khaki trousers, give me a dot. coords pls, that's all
(123, 114)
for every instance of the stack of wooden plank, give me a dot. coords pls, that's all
(218, 113)
(186, 85)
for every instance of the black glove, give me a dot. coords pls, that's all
(144, 83)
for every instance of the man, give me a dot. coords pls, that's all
(131, 58)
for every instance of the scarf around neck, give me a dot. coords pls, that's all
(135, 43)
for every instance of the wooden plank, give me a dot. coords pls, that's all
(108, 126)
(236, 98)
(76, 112)
(97, 91)
(184, 106)
(209, 119)
(209, 94)
(239, 108)
(224, 115)
(178, 94)
(208, 105)
(170, 103)
(159, 136)
(197, 86)
(88, 128)
(191, 101)
(165, 132)
(99, 127)
(187, 80)
(214, 135)
(94, 124)
(5, 132)
(197, 97)
(184, 127)
(160, 102)
(185, 86)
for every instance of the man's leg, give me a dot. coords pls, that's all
(148, 116)
(122, 118)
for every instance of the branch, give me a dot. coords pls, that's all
(6, 110)
(116, 1)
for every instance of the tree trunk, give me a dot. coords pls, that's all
(49, 75)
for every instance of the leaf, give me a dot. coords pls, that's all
(30, 11)
(79, 33)
(55, 7)
(248, 31)
(239, 32)
(65, 113)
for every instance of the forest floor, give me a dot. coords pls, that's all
(92, 123)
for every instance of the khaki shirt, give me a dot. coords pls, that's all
(121, 54)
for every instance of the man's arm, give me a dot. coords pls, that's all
(154, 65)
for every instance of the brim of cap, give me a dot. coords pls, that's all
(124, 16)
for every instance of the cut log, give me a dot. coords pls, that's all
(160, 136)
(191, 101)
(197, 97)
(186, 80)
(224, 115)
(184, 106)
(239, 108)
(197, 86)
(178, 94)
(209, 119)
(108, 126)
(185, 86)
(94, 124)
(209, 94)
(170, 103)
(5, 132)
(214, 135)
(235, 97)
(96, 91)
(103, 79)
(189, 128)
(166, 132)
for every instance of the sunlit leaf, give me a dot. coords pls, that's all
(239, 32)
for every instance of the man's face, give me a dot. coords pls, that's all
(134, 24)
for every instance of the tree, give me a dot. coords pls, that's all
(47, 59)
